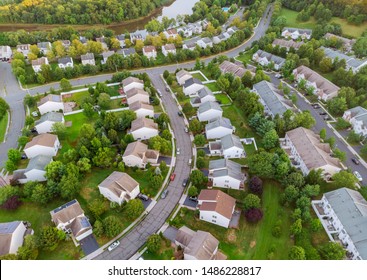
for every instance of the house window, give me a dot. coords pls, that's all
(214, 221)
(214, 217)
(226, 181)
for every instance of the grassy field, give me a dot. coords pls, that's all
(222, 98)
(245, 57)
(291, 17)
(213, 87)
(78, 98)
(251, 241)
(3, 125)
(233, 113)
(199, 77)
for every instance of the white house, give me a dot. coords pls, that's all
(106, 55)
(208, 111)
(218, 128)
(202, 96)
(138, 35)
(189, 45)
(44, 124)
(43, 144)
(143, 128)
(142, 109)
(182, 76)
(24, 49)
(44, 47)
(128, 52)
(37, 63)
(65, 43)
(5, 52)
(224, 173)
(307, 152)
(296, 33)
(121, 39)
(229, 146)
(65, 62)
(192, 86)
(171, 33)
(199, 245)
(119, 187)
(264, 58)
(221, 37)
(169, 48)
(150, 52)
(35, 170)
(185, 31)
(103, 42)
(138, 154)
(136, 94)
(88, 58)
(12, 236)
(343, 214)
(205, 42)
(132, 82)
(71, 219)
(357, 117)
(216, 207)
(50, 103)
(322, 87)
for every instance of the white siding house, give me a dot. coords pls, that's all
(217, 128)
(88, 59)
(65, 62)
(143, 128)
(132, 82)
(224, 173)
(192, 86)
(11, 237)
(137, 95)
(265, 59)
(296, 33)
(169, 48)
(229, 146)
(182, 76)
(202, 96)
(50, 103)
(150, 52)
(209, 111)
(138, 154)
(205, 42)
(35, 170)
(142, 109)
(37, 63)
(5, 52)
(357, 117)
(43, 144)
(44, 124)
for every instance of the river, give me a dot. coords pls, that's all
(177, 7)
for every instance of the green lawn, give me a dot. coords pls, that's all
(233, 113)
(3, 125)
(213, 86)
(291, 17)
(199, 77)
(251, 241)
(165, 253)
(245, 57)
(115, 103)
(78, 98)
(222, 98)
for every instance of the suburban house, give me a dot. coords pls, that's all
(236, 70)
(196, 27)
(143, 128)
(44, 124)
(5, 52)
(189, 45)
(65, 43)
(150, 52)
(224, 173)
(50, 103)
(121, 39)
(229, 146)
(103, 42)
(35, 170)
(231, 30)
(221, 37)
(216, 207)
(198, 245)
(171, 33)
(357, 117)
(203, 95)
(138, 154)
(347, 43)
(169, 48)
(343, 213)
(138, 35)
(137, 94)
(128, 51)
(264, 58)
(88, 59)
(185, 31)
(182, 76)
(119, 187)
(83, 40)
(288, 44)
(106, 55)
(44, 47)
(12, 236)
(37, 63)
(71, 219)
(217, 128)
(321, 86)
(192, 86)
(307, 152)
(296, 33)
(142, 109)
(43, 144)
(24, 49)
(205, 42)
(132, 82)
(208, 111)
(352, 63)
(65, 62)
(272, 100)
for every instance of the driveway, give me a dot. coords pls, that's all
(89, 244)
(190, 203)
(170, 233)
(164, 158)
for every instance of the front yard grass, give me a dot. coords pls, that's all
(3, 125)
(222, 98)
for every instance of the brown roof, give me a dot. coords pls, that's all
(66, 212)
(130, 80)
(50, 97)
(182, 73)
(80, 225)
(140, 150)
(203, 246)
(229, 67)
(134, 91)
(39, 61)
(47, 140)
(149, 49)
(184, 235)
(287, 43)
(119, 182)
(218, 201)
(143, 122)
(172, 31)
(169, 47)
(140, 105)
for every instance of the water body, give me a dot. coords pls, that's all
(178, 7)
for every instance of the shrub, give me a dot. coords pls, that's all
(256, 185)
(12, 203)
(253, 215)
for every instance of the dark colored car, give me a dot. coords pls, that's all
(355, 161)
(322, 113)
(180, 113)
(184, 183)
(164, 194)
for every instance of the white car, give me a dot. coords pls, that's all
(358, 176)
(178, 151)
(159, 93)
(113, 245)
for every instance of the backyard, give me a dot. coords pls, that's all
(245, 57)
(222, 98)
(213, 86)
(199, 76)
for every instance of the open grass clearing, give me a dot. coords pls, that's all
(246, 57)
(213, 87)
(222, 98)
(199, 76)
(3, 126)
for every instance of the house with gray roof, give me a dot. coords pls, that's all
(295, 33)
(208, 111)
(44, 124)
(343, 214)
(106, 55)
(205, 42)
(121, 39)
(44, 47)
(224, 173)
(192, 86)
(221, 37)
(50, 103)
(357, 117)
(203, 95)
(352, 62)
(138, 35)
(272, 100)
(128, 51)
(219, 127)
(264, 58)
(88, 58)
(12, 235)
(182, 76)
(287, 44)
(229, 146)
(64, 62)
(189, 45)
(35, 170)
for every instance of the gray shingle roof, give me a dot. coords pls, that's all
(51, 116)
(206, 106)
(38, 162)
(65, 60)
(224, 167)
(87, 56)
(192, 81)
(204, 92)
(129, 51)
(230, 141)
(219, 122)
(271, 57)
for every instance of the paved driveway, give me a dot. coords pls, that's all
(170, 233)
(89, 244)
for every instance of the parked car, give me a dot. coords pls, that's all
(113, 245)
(184, 183)
(180, 113)
(167, 89)
(164, 194)
(143, 197)
(173, 176)
(326, 118)
(322, 113)
(159, 93)
(316, 106)
(190, 161)
(193, 198)
(355, 161)
(178, 151)
(358, 176)
(186, 129)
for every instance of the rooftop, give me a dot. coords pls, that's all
(47, 140)
(118, 183)
(217, 201)
(208, 105)
(143, 122)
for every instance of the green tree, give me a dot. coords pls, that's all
(59, 129)
(97, 207)
(200, 140)
(297, 253)
(7, 192)
(98, 228)
(14, 155)
(134, 208)
(326, 65)
(344, 179)
(251, 201)
(50, 237)
(154, 243)
(271, 139)
(198, 178)
(65, 85)
(29, 121)
(29, 249)
(332, 251)
(323, 133)
(192, 191)
(296, 227)
(200, 163)
(104, 101)
(291, 193)
(195, 126)
(30, 100)
(111, 226)
(337, 105)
